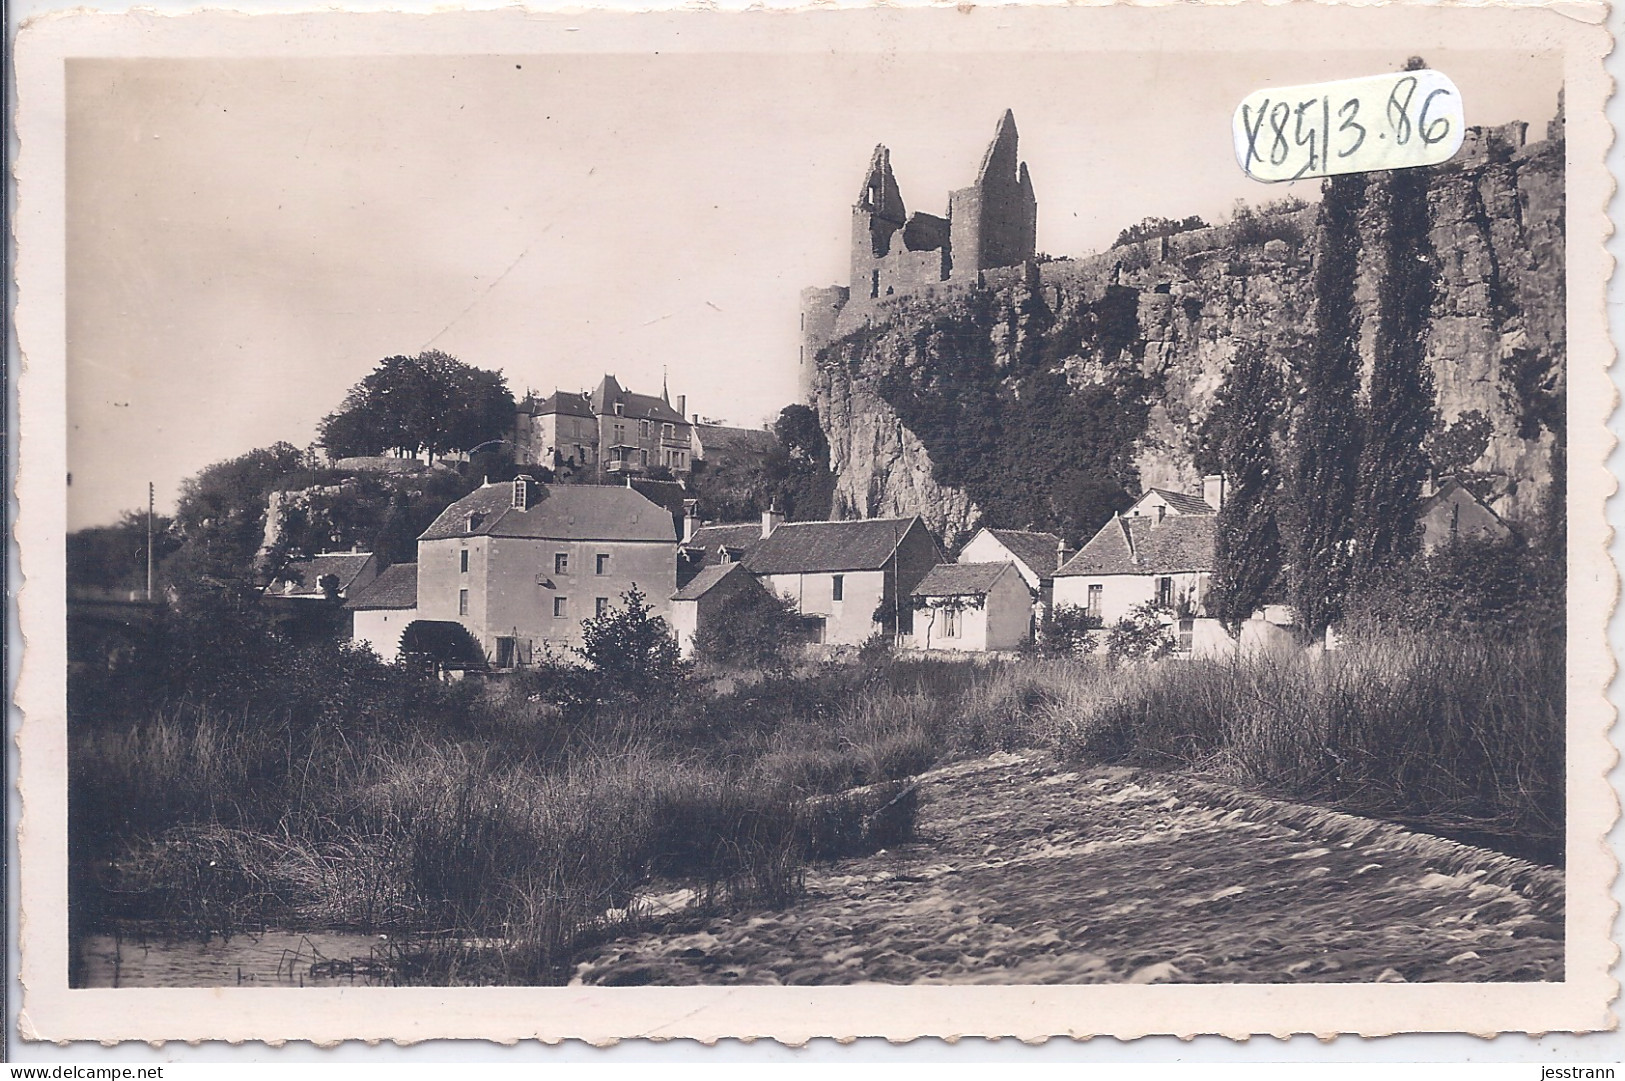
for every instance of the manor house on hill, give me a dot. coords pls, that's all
(609, 427)
(993, 223)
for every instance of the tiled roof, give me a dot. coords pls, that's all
(811, 547)
(397, 587)
(960, 579)
(666, 493)
(742, 537)
(304, 573)
(703, 582)
(1146, 546)
(1183, 503)
(636, 406)
(1037, 550)
(719, 441)
(556, 512)
(565, 402)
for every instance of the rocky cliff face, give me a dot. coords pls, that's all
(1048, 395)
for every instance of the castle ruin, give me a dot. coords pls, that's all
(993, 223)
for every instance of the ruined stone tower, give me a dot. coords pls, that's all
(992, 223)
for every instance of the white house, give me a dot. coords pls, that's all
(380, 611)
(1453, 513)
(702, 597)
(851, 577)
(1036, 555)
(972, 607)
(1161, 557)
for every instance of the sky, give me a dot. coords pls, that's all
(247, 238)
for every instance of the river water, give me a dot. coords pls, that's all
(261, 959)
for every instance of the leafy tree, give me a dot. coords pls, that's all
(1065, 632)
(632, 650)
(751, 628)
(114, 557)
(1452, 449)
(1400, 407)
(220, 519)
(1325, 436)
(1151, 228)
(1239, 443)
(431, 403)
(1142, 635)
(1496, 588)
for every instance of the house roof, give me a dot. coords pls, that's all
(1146, 546)
(742, 536)
(666, 493)
(1452, 490)
(703, 582)
(717, 440)
(1181, 502)
(562, 401)
(636, 406)
(397, 587)
(1036, 550)
(811, 547)
(556, 512)
(960, 579)
(305, 573)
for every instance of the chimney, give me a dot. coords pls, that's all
(682, 403)
(1062, 554)
(772, 518)
(522, 491)
(1213, 490)
(691, 519)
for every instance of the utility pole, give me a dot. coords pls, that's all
(149, 540)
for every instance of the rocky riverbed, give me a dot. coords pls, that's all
(1026, 871)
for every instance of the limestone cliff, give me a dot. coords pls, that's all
(1049, 394)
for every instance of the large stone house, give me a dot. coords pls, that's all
(972, 607)
(522, 564)
(608, 428)
(853, 578)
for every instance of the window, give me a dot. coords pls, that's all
(1187, 634)
(600, 607)
(463, 560)
(643, 457)
(620, 433)
(1095, 593)
(837, 587)
(643, 429)
(561, 563)
(950, 623)
(462, 602)
(667, 431)
(1165, 592)
(561, 607)
(601, 564)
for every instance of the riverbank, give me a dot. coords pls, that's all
(1026, 871)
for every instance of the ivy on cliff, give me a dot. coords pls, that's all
(983, 384)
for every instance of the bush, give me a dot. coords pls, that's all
(632, 650)
(1142, 635)
(1066, 631)
(752, 628)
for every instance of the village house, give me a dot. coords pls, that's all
(1454, 513)
(846, 575)
(1159, 551)
(521, 565)
(972, 607)
(699, 602)
(327, 576)
(709, 545)
(1035, 554)
(608, 428)
(381, 610)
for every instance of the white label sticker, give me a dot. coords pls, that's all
(1350, 126)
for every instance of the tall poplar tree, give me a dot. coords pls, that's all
(1239, 438)
(1325, 436)
(1400, 403)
